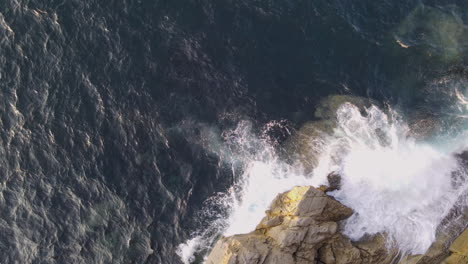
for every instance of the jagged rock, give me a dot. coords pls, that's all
(306, 201)
(374, 249)
(301, 226)
(295, 227)
(339, 250)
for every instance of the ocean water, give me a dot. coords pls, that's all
(139, 131)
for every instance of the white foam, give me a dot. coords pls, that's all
(187, 250)
(393, 183)
(263, 176)
(264, 180)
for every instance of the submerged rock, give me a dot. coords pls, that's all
(302, 226)
(306, 145)
(326, 109)
(440, 31)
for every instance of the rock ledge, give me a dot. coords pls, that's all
(300, 227)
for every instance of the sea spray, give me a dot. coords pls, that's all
(263, 174)
(394, 183)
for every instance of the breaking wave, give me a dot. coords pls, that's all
(395, 183)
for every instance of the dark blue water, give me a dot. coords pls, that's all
(102, 105)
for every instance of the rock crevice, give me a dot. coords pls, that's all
(302, 226)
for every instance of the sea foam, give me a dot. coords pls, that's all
(394, 183)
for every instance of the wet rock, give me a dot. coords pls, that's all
(302, 226)
(442, 251)
(327, 108)
(305, 146)
(295, 227)
(439, 31)
(450, 246)
(459, 250)
(434, 255)
(375, 249)
(463, 157)
(422, 126)
(460, 245)
(306, 201)
(334, 182)
(339, 250)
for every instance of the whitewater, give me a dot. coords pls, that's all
(396, 183)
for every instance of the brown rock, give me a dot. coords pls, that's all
(307, 201)
(460, 245)
(298, 223)
(456, 259)
(374, 249)
(300, 227)
(304, 146)
(327, 108)
(340, 250)
(448, 247)
(459, 250)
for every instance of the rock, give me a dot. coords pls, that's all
(456, 259)
(411, 259)
(327, 107)
(449, 247)
(305, 146)
(463, 158)
(248, 248)
(334, 182)
(301, 226)
(374, 249)
(306, 201)
(446, 242)
(297, 224)
(460, 245)
(459, 250)
(438, 31)
(422, 126)
(339, 250)
(434, 255)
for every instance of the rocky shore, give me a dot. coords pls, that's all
(303, 226)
